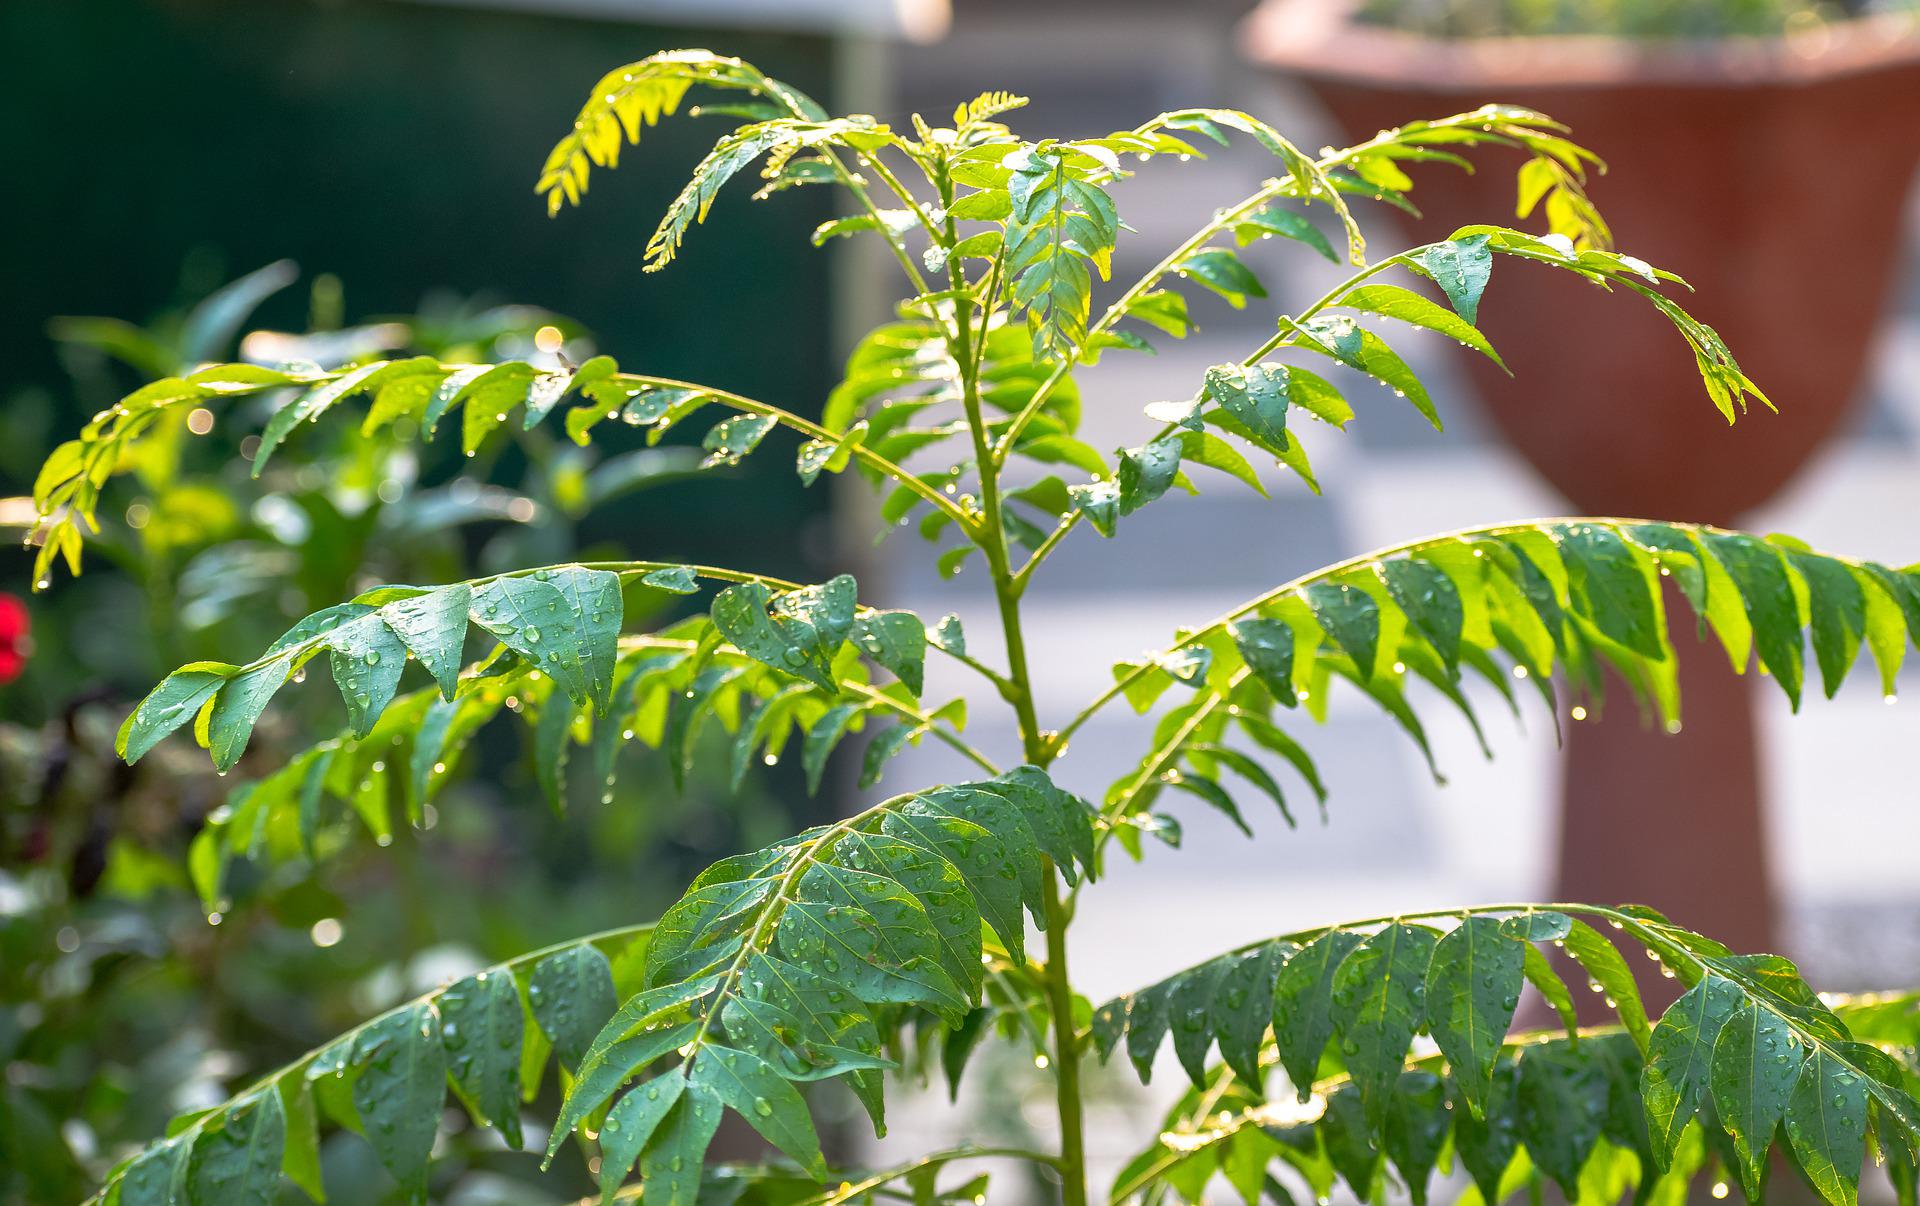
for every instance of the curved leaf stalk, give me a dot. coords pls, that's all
(1864, 572)
(490, 1083)
(69, 485)
(1747, 1046)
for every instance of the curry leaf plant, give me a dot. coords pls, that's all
(931, 920)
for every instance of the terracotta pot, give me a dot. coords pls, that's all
(1772, 174)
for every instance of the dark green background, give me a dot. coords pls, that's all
(396, 145)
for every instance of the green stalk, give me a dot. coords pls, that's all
(1035, 744)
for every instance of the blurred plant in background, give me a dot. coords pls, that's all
(1627, 18)
(120, 1006)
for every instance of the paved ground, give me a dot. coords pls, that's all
(1845, 829)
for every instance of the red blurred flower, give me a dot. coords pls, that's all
(14, 638)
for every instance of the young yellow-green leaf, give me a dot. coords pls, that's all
(1827, 1124)
(1680, 1058)
(571, 993)
(630, 1124)
(481, 1027)
(1379, 1002)
(1756, 1062)
(1303, 1005)
(400, 1088)
(1473, 987)
(768, 1102)
(238, 1159)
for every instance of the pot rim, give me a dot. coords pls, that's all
(1319, 39)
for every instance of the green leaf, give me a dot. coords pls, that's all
(1267, 648)
(675, 580)
(979, 856)
(630, 1124)
(1756, 1063)
(1610, 585)
(1472, 989)
(1461, 267)
(1761, 574)
(1242, 1007)
(1486, 1145)
(1271, 220)
(1431, 600)
(1603, 962)
(1391, 301)
(481, 1029)
(1379, 995)
(238, 707)
(1351, 617)
(433, 626)
(822, 738)
(1257, 397)
(238, 1159)
(1680, 1055)
(1562, 1100)
(765, 1099)
(733, 438)
(1837, 610)
(898, 641)
(1146, 472)
(1826, 1126)
(367, 657)
(740, 613)
(168, 706)
(1303, 1005)
(398, 1093)
(1416, 1133)
(671, 1167)
(571, 992)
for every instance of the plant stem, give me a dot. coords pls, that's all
(1035, 744)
